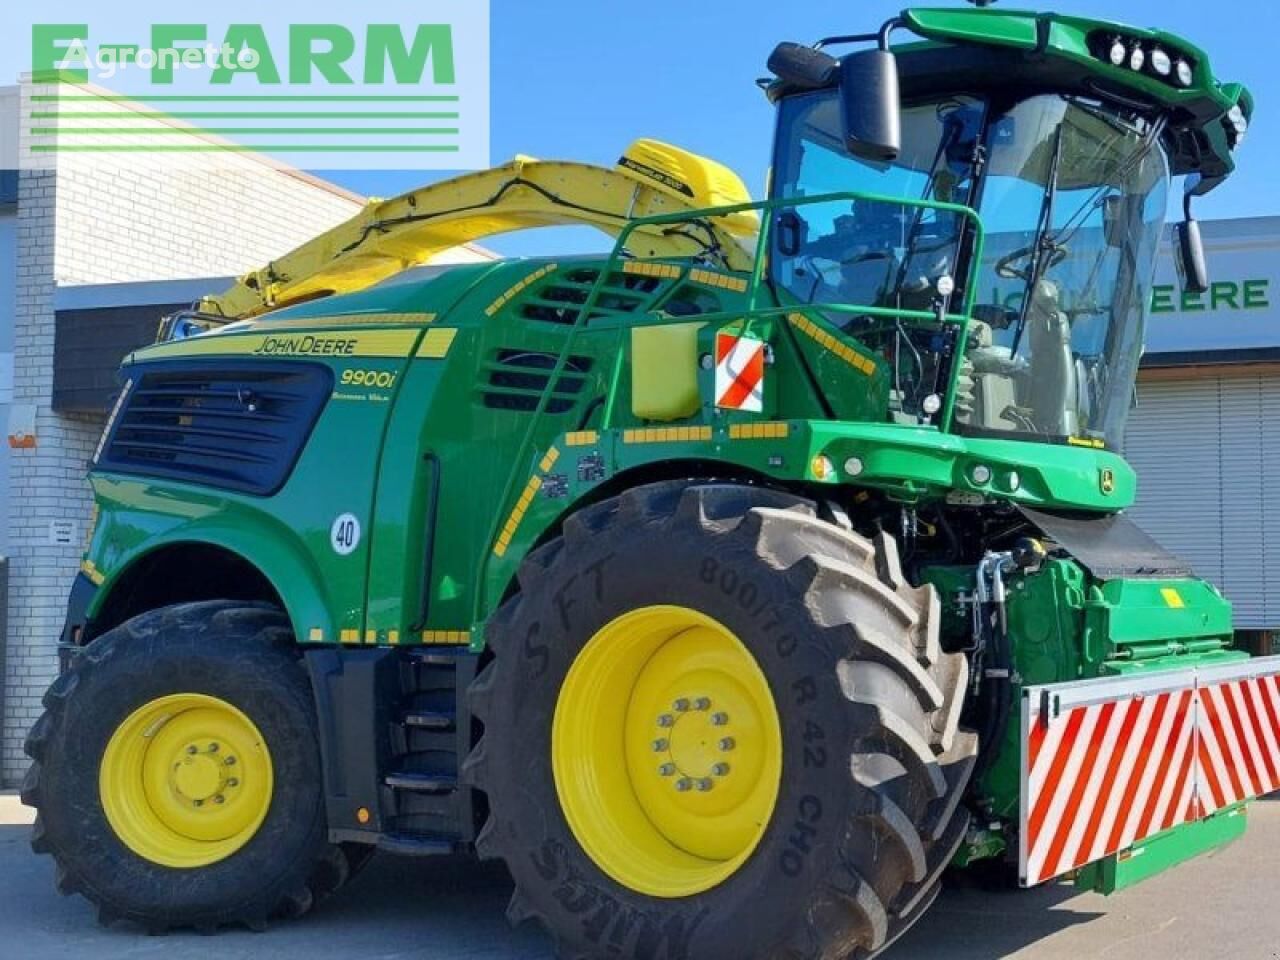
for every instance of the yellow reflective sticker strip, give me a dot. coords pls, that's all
(92, 572)
(316, 635)
(436, 343)
(1172, 598)
(446, 636)
(503, 300)
(266, 325)
(664, 271)
(522, 505)
(842, 350)
(349, 636)
(758, 431)
(581, 438)
(666, 435)
(319, 346)
(724, 282)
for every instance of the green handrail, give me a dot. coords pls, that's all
(619, 251)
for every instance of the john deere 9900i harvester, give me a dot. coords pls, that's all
(728, 587)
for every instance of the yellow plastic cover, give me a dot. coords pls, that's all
(664, 371)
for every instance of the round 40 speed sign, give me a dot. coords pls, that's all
(344, 535)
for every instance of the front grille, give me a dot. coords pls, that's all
(237, 427)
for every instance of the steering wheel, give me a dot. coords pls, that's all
(1005, 266)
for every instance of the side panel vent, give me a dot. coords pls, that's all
(235, 427)
(561, 297)
(516, 379)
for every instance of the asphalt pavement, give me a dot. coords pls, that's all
(1226, 904)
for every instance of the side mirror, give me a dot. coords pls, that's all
(1193, 270)
(870, 105)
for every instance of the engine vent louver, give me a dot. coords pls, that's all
(238, 428)
(561, 297)
(516, 379)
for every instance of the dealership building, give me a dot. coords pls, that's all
(1205, 436)
(91, 256)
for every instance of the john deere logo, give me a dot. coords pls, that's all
(1107, 480)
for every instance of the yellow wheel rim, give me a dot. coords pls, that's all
(667, 751)
(186, 780)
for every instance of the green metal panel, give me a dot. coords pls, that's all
(1163, 851)
(999, 28)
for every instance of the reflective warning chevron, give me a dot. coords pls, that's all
(1108, 763)
(739, 373)
(1239, 740)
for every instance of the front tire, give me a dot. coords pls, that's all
(176, 772)
(862, 810)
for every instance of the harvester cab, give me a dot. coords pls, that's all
(777, 556)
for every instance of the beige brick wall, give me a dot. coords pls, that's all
(116, 225)
(88, 223)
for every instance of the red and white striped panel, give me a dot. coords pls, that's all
(1239, 748)
(1108, 763)
(740, 363)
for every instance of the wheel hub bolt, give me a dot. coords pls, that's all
(727, 744)
(667, 770)
(702, 703)
(666, 720)
(198, 803)
(230, 761)
(219, 799)
(191, 750)
(681, 705)
(660, 746)
(684, 785)
(213, 748)
(233, 782)
(720, 719)
(720, 769)
(704, 785)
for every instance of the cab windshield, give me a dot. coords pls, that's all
(1072, 199)
(1073, 202)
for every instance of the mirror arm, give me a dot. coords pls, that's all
(886, 32)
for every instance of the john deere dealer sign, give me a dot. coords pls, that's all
(1241, 309)
(386, 85)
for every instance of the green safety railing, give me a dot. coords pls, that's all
(754, 310)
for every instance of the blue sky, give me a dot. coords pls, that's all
(580, 79)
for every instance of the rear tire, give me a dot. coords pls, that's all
(222, 652)
(873, 764)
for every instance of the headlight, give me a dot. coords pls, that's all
(1118, 52)
(1137, 58)
(1185, 74)
(1161, 63)
(822, 468)
(1238, 119)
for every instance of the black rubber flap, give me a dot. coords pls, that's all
(1109, 546)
